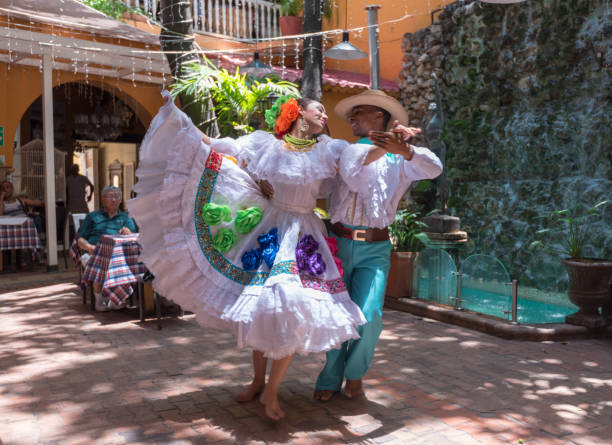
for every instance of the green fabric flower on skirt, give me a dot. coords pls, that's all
(224, 240)
(214, 214)
(247, 219)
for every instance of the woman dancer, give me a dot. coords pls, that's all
(262, 269)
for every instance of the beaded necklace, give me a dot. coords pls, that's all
(296, 144)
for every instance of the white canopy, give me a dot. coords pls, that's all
(127, 58)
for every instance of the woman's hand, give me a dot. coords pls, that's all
(124, 231)
(266, 188)
(205, 137)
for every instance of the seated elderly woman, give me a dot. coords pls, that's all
(10, 205)
(108, 220)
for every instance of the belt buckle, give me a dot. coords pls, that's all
(359, 234)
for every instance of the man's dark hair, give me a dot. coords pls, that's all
(74, 169)
(386, 116)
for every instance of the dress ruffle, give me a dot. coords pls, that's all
(285, 313)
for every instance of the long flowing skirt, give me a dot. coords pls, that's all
(273, 306)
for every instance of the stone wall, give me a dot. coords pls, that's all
(526, 94)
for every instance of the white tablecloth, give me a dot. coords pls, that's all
(12, 220)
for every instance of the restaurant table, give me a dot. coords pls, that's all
(114, 263)
(18, 232)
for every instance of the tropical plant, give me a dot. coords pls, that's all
(112, 8)
(406, 231)
(568, 231)
(296, 7)
(239, 100)
(291, 7)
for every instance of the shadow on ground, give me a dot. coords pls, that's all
(68, 373)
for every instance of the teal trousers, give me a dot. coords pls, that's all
(366, 267)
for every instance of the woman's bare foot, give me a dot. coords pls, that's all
(252, 391)
(353, 389)
(272, 407)
(324, 394)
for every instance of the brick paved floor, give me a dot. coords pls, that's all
(69, 376)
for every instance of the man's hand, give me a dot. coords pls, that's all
(391, 142)
(266, 188)
(412, 135)
(124, 231)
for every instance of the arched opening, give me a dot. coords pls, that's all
(96, 126)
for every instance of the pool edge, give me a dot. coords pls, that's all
(495, 326)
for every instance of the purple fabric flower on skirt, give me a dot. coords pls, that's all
(301, 259)
(316, 265)
(307, 244)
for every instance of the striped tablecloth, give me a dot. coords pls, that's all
(18, 233)
(114, 263)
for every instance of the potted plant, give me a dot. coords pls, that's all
(589, 278)
(290, 19)
(407, 237)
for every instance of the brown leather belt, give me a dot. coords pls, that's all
(368, 235)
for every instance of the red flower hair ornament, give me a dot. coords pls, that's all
(289, 113)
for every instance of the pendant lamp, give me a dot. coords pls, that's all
(256, 67)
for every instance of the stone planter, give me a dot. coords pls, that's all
(589, 289)
(399, 282)
(290, 25)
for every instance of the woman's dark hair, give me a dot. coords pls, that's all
(305, 101)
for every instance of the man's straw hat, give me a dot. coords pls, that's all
(376, 98)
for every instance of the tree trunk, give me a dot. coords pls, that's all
(177, 41)
(312, 78)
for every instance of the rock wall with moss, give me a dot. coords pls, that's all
(526, 94)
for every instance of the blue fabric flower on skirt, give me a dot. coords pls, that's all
(251, 259)
(268, 244)
(266, 239)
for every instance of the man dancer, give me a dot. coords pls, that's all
(361, 208)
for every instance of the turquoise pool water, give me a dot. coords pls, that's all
(495, 304)
(528, 311)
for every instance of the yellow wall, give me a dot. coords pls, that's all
(391, 33)
(22, 85)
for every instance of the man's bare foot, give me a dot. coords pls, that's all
(252, 391)
(324, 394)
(272, 407)
(353, 389)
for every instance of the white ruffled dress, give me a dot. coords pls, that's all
(278, 310)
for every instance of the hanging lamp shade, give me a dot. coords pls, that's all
(344, 50)
(256, 67)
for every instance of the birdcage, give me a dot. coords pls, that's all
(29, 176)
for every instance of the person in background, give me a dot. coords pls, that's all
(76, 193)
(109, 220)
(362, 205)
(10, 205)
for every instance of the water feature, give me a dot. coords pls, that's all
(484, 287)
